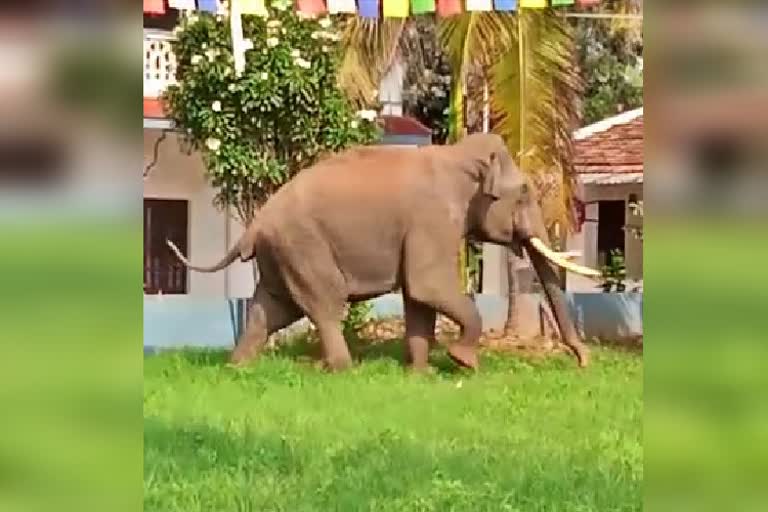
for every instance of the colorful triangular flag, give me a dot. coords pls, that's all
(339, 6)
(396, 8)
(182, 5)
(505, 5)
(154, 6)
(447, 8)
(310, 7)
(368, 8)
(422, 6)
(533, 4)
(256, 7)
(479, 5)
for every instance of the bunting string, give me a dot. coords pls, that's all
(371, 9)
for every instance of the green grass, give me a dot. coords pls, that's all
(280, 435)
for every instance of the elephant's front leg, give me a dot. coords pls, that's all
(431, 279)
(419, 333)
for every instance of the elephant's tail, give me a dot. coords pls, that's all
(226, 261)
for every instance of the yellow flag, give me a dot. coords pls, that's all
(535, 4)
(253, 7)
(396, 8)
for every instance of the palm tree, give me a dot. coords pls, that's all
(535, 115)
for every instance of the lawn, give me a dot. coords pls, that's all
(521, 435)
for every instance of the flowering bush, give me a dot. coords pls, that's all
(258, 130)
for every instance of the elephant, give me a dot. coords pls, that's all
(375, 219)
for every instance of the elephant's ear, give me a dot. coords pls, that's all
(492, 175)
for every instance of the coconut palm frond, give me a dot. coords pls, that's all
(370, 47)
(476, 38)
(538, 122)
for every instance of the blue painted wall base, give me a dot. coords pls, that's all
(183, 321)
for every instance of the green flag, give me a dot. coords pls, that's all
(422, 6)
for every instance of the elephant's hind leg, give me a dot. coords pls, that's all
(267, 315)
(419, 332)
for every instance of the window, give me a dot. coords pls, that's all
(610, 229)
(164, 219)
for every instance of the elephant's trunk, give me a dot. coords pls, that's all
(550, 282)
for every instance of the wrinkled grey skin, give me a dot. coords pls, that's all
(371, 220)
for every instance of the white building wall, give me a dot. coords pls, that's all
(211, 232)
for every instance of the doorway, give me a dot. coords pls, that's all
(610, 229)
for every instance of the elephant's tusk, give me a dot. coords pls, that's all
(561, 261)
(569, 255)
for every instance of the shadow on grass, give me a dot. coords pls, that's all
(303, 348)
(309, 469)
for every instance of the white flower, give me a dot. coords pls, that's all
(354, 124)
(272, 41)
(273, 23)
(216, 106)
(325, 22)
(211, 54)
(332, 36)
(196, 59)
(315, 35)
(213, 143)
(368, 115)
(231, 87)
(302, 63)
(204, 46)
(325, 48)
(295, 53)
(264, 76)
(192, 19)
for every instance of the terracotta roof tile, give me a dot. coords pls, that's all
(404, 125)
(617, 149)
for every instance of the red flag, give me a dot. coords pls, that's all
(310, 7)
(154, 6)
(447, 8)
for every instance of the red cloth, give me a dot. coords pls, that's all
(447, 8)
(154, 6)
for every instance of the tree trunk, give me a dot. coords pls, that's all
(512, 324)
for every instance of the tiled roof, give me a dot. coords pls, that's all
(153, 108)
(404, 125)
(613, 146)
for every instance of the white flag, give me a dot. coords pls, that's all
(479, 5)
(337, 6)
(182, 5)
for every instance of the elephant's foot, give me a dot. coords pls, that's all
(582, 354)
(464, 355)
(337, 364)
(241, 356)
(421, 369)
